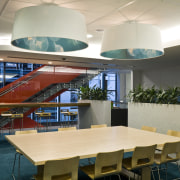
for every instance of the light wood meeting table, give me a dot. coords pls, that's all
(86, 143)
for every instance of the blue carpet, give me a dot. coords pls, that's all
(7, 152)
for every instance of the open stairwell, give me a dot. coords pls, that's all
(40, 85)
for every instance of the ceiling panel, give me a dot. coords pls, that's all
(99, 15)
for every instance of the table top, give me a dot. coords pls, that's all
(40, 147)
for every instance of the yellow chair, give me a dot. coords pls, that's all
(143, 156)
(68, 114)
(173, 133)
(148, 128)
(19, 153)
(66, 169)
(106, 164)
(25, 132)
(96, 126)
(99, 126)
(164, 157)
(67, 129)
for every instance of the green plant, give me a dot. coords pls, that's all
(152, 95)
(84, 93)
(94, 93)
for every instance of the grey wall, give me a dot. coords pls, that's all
(136, 78)
(124, 85)
(99, 112)
(161, 78)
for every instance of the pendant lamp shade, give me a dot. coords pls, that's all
(132, 41)
(49, 28)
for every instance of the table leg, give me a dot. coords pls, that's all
(146, 173)
(40, 170)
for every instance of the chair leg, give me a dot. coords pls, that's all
(140, 174)
(119, 176)
(166, 171)
(14, 165)
(158, 173)
(18, 165)
(89, 160)
(178, 165)
(152, 174)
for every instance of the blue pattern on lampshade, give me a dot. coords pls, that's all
(132, 53)
(49, 44)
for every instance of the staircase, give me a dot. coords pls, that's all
(49, 91)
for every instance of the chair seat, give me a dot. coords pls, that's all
(157, 159)
(18, 151)
(90, 170)
(127, 163)
(61, 177)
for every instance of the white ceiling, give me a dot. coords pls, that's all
(99, 15)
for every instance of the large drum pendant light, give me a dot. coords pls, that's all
(49, 28)
(132, 41)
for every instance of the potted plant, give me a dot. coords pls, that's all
(94, 93)
(152, 95)
(154, 107)
(99, 111)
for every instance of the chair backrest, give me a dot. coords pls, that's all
(148, 128)
(67, 128)
(60, 168)
(25, 132)
(173, 133)
(168, 149)
(98, 125)
(64, 110)
(143, 156)
(73, 113)
(108, 163)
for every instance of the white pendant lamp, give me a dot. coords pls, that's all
(49, 28)
(132, 41)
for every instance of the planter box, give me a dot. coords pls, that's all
(161, 116)
(99, 112)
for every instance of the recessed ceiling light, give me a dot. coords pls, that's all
(1, 59)
(50, 62)
(89, 35)
(5, 40)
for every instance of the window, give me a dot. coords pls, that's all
(106, 81)
(10, 72)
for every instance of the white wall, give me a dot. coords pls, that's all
(161, 116)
